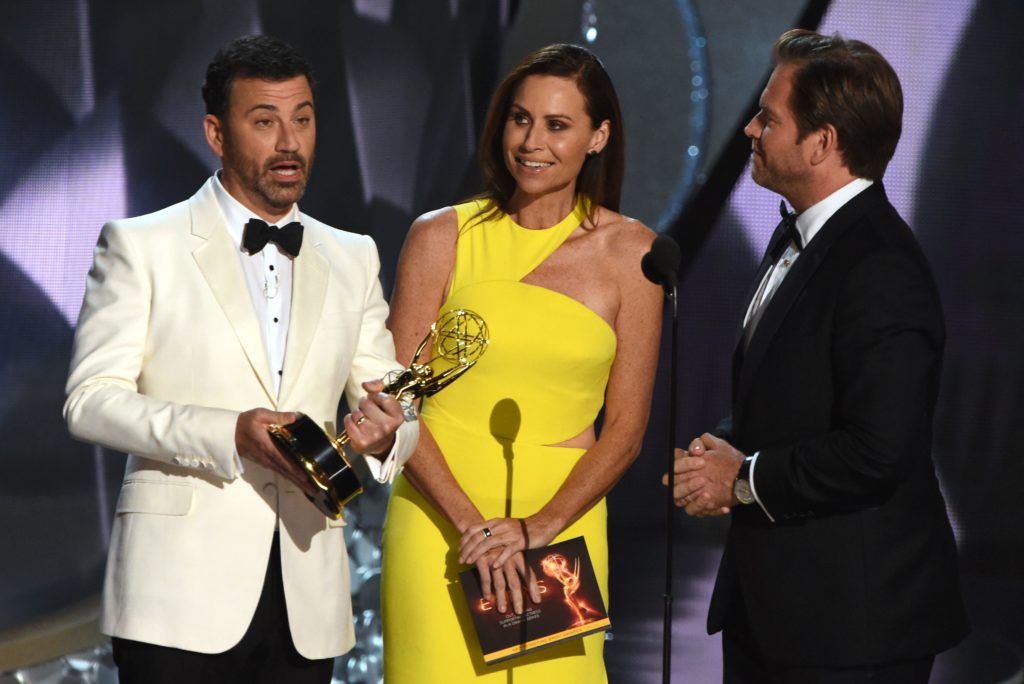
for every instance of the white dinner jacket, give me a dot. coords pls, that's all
(167, 352)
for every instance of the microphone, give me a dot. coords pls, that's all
(661, 263)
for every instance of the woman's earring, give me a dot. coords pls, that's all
(592, 153)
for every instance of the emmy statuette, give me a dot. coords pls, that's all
(458, 339)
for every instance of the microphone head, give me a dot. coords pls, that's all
(649, 268)
(661, 263)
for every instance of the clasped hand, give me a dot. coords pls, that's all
(705, 474)
(496, 547)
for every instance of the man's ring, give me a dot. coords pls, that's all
(487, 532)
(361, 420)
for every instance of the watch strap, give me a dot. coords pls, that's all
(744, 473)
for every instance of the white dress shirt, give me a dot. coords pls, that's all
(268, 276)
(808, 223)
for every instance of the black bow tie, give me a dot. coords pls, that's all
(257, 234)
(789, 233)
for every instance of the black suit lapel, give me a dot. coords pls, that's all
(746, 363)
(766, 262)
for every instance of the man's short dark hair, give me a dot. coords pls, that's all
(261, 57)
(848, 84)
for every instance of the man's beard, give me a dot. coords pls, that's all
(278, 195)
(779, 180)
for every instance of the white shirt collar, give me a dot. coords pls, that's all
(810, 221)
(236, 214)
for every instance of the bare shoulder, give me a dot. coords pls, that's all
(427, 259)
(430, 242)
(439, 225)
(623, 239)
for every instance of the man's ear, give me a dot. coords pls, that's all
(826, 144)
(213, 128)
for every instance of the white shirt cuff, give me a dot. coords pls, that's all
(239, 468)
(753, 487)
(386, 470)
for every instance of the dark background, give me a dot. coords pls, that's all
(101, 119)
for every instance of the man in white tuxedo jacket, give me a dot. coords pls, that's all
(199, 329)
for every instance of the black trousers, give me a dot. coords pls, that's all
(745, 663)
(265, 655)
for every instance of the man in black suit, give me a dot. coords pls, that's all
(840, 564)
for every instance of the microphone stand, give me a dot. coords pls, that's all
(660, 266)
(671, 296)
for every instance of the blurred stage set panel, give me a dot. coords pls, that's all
(102, 120)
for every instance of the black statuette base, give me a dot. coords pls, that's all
(313, 450)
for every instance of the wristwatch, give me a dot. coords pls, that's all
(741, 487)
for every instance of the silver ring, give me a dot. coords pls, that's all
(487, 532)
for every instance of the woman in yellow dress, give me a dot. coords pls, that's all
(508, 457)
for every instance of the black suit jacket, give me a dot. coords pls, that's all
(836, 390)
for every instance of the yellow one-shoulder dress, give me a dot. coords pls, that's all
(541, 382)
